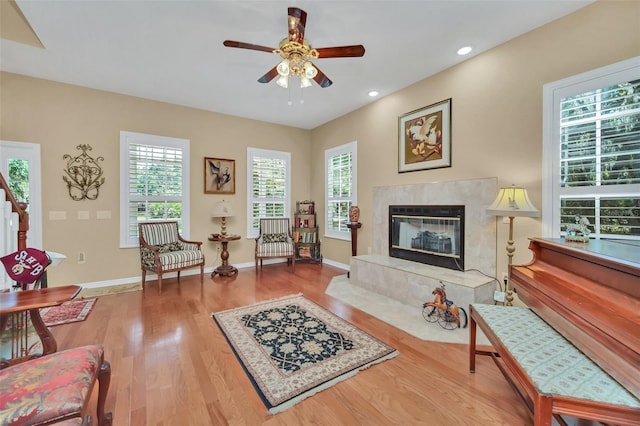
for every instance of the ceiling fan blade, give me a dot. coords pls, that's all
(269, 75)
(241, 45)
(322, 79)
(297, 22)
(341, 51)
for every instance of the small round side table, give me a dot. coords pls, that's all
(224, 270)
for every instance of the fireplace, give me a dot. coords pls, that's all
(428, 234)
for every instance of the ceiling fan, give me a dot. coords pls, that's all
(296, 53)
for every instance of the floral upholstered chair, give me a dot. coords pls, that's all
(275, 241)
(56, 388)
(163, 250)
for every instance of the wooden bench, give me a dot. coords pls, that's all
(552, 376)
(55, 388)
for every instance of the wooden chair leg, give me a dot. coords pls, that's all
(159, 282)
(104, 380)
(144, 278)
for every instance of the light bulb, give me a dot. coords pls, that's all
(283, 81)
(309, 70)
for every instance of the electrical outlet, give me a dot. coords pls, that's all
(498, 296)
(505, 277)
(82, 257)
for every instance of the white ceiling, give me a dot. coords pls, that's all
(172, 51)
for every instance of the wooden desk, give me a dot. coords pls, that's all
(224, 270)
(27, 304)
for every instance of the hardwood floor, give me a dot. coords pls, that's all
(171, 364)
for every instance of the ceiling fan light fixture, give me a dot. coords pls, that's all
(283, 81)
(283, 68)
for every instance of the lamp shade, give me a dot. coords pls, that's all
(513, 201)
(222, 209)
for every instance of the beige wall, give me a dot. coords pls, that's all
(497, 131)
(496, 113)
(60, 117)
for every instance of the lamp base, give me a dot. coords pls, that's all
(223, 227)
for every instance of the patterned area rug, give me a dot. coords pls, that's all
(292, 348)
(68, 312)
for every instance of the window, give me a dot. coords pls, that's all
(592, 152)
(154, 183)
(340, 192)
(20, 166)
(268, 195)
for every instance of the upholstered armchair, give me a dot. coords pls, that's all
(275, 241)
(163, 250)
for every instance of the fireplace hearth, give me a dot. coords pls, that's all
(430, 234)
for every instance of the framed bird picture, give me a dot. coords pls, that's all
(424, 138)
(219, 176)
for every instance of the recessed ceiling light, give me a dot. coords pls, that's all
(464, 50)
(373, 93)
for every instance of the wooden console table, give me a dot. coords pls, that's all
(24, 306)
(224, 270)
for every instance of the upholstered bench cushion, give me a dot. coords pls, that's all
(553, 364)
(48, 388)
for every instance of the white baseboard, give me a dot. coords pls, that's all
(122, 285)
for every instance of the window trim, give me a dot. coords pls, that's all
(268, 153)
(329, 153)
(551, 93)
(126, 139)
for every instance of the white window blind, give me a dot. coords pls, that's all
(597, 123)
(269, 182)
(155, 181)
(340, 167)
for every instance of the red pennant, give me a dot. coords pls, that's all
(26, 266)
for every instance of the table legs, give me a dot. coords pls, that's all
(224, 270)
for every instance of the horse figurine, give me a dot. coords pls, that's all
(448, 310)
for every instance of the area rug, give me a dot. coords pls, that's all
(68, 312)
(292, 348)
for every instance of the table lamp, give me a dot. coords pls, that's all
(511, 202)
(223, 210)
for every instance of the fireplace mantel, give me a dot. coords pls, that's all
(412, 282)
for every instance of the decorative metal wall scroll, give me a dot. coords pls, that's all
(83, 174)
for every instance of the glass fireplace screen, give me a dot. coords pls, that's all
(428, 234)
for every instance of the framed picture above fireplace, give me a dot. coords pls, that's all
(424, 138)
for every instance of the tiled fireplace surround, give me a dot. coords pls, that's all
(412, 282)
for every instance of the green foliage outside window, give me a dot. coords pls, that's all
(18, 180)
